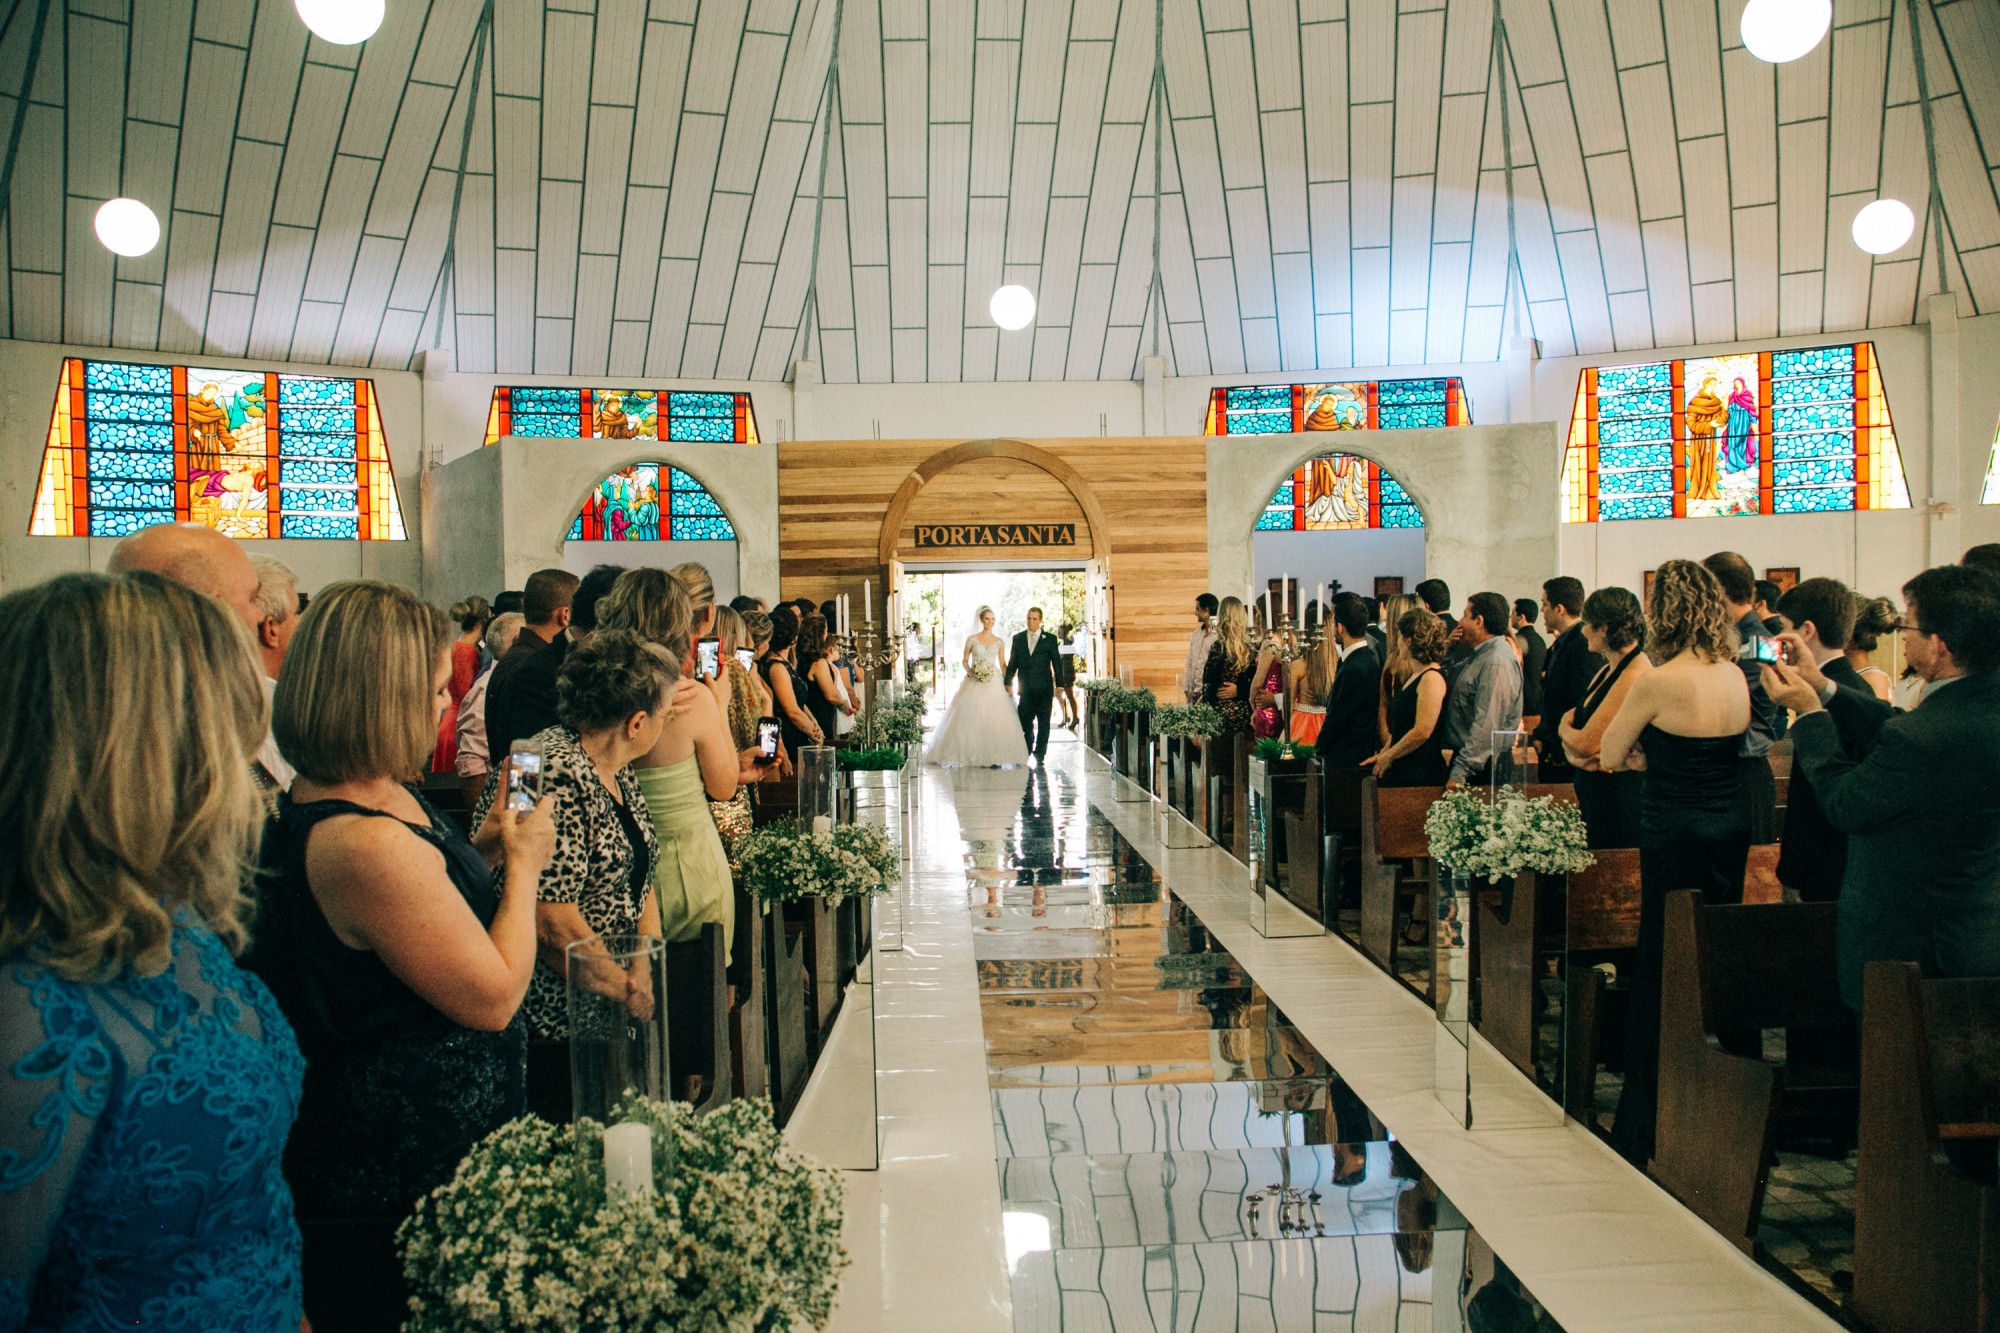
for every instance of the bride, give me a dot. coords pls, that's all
(981, 729)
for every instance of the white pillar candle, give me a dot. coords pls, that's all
(628, 1160)
(1286, 592)
(867, 600)
(823, 824)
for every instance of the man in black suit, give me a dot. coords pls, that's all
(1566, 671)
(529, 701)
(1534, 656)
(1921, 808)
(1349, 733)
(545, 607)
(1033, 659)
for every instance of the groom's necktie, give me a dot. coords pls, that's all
(1032, 637)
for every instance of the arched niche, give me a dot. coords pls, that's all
(653, 513)
(1000, 461)
(1340, 518)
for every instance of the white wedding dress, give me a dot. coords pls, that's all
(981, 728)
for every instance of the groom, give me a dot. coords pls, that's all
(1033, 659)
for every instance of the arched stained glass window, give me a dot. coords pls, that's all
(621, 414)
(1337, 491)
(632, 505)
(1282, 409)
(1800, 431)
(250, 453)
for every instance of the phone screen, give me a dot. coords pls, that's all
(708, 654)
(748, 658)
(524, 776)
(767, 738)
(1766, 650)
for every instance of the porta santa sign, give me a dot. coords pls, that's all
(935, 535)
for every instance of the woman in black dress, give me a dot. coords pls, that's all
(1614, 628)
(400, 958)
(1225, 680)
(815, 676)
(1415, 757)
(1689, 713)
(796, 725)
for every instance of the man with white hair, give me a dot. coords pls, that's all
(277, 603)
(195, 556)
(474, 763)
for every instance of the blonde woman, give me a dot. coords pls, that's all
(1309, 681)
(1225, 679)
(1690, 714)
(1397, 665)
(130, 819)
(398, 955)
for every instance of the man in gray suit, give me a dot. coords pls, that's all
(1921, 807)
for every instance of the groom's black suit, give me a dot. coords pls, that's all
(1037, 670)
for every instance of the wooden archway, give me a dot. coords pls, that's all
(973, 451)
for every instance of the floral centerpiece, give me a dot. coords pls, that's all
(785, 861)
(738, 1231)
(1120, 699)
(1498, 839)
(1099, 684)
(875, 759)
(1186, 721)
(894, 721)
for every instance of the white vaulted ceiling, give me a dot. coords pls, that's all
(639, 180)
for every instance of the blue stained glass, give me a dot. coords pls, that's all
(133, 464)
(316, 499)
(1812, 472)
(323, 419)
(1816, 500)
(701, 430)
(1635, 430)
(1275, 520)
(124, 522)
(702, 529)
(128, 375)
(133, 495)
(1283, 495)
(545, 427)
(1813, 389)
(702, 405)
(575, 530)
(325, 471)
(1652, 403)
(1812, 416)
(1634, 483)
(1814, 361)
(1417, 416)
(1635, 506)
(569, 401)
(302, 444)
(152, 435)
(1634, 456)
(1261, 423)
(1402, 516)
(1813, 444)
(98, 404)
(1629, 379)
(1260, 398)
(694, 502)
(1393, 492)
(681, 481)
(319, 525)
(311, 389)
(1403, 392)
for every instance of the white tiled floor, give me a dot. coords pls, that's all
(1600, 1246)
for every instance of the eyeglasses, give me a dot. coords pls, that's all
(1905, 627)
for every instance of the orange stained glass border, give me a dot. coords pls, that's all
(500, 414)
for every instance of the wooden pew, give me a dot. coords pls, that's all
(788, 1042)
(1392, 841)
(1927, 1226)
(698, 1019)
(1731, 970)
(750, 1073)
(1212, 772)
(1239, 799)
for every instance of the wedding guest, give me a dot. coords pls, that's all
(612, 696)
(467, 660)
(1309, 684)
(1614, 630)
(1378, 638)
(1435, 594)
(546, 605)
(1397, 666)
(1225, 677)
(1268, 675)
(1984, 556)
(1066, 673)
(1921, 807)
(1349, 734)
(475, 759)
(388, 941)
(1873, 617)
(1485, 696)
(1199, 642)
(1415, 755)
(1534, 658)
(748, 701)
(693, 765)
(1767, 721)
(147, 1084)
(816, 648)
(277, 605)
(744, 603)
(1567, 670)
(1690, 713)
(797, 727)
(196, 556)
(1764, 605)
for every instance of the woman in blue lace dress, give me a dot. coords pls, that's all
(146, 1083)
(398, 955)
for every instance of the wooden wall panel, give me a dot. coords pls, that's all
(834, 495)
(995, 490)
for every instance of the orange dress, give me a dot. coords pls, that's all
(464, 670)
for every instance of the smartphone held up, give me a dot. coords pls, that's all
(524, 776)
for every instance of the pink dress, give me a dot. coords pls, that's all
(1265, 723)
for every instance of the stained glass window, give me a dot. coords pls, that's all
(628, 506)
(1991, 494)
(249, 453)
(620, 414)
(1799, 431)
(1337, 491)
(1281, 409)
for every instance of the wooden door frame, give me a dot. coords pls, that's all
(973, 451)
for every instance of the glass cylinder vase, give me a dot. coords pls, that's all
(819, 788)
(617, 1051)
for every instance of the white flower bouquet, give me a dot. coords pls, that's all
(1120, 699)
(1194, 721)
(982, 669)
(740, 1232)
(785, 861)
(1499, 839)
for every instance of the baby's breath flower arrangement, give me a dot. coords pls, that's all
(740, 1233)
(785, 861)
(1099, 684)
(1499, 839)
(1119, 699)
(1190, 721)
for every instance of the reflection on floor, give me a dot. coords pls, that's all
(1174, 1154)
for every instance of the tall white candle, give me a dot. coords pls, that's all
(1322, 603)
(628, 1159)
(1286, 593)
(867, 600)
(823, 824)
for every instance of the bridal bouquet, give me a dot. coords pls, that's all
(740, 1231)
(983, 669)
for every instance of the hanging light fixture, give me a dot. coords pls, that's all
(342, 22)
(1013, 307)
(1884, 226)
(1780, 30)
(127, 227)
